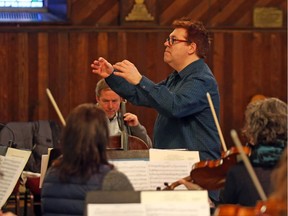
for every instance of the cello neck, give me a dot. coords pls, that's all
(123, 128)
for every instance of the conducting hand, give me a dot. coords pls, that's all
(102, 67)
(131, 119)
(128, 71)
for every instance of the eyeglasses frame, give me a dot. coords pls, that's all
(174, 39)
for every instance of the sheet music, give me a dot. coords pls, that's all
(23, 154)
(148, 175)
(136, 171)
(44, 166)
(167, 171)
(158, 203)
(11, 166)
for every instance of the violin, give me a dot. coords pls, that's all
(270, 207)
(234, 210)
(211, 174)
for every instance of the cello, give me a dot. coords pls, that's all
(123, 141)
(134, 143)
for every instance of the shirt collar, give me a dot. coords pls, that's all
(112, 119)
(191, 67)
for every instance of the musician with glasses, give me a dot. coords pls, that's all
(184, 117)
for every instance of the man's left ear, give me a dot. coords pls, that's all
(192, 48)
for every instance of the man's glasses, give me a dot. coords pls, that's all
(172, 41)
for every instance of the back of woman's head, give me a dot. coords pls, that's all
(266, 121)
(84, 141)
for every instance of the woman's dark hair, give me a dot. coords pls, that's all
(83, 143)
(196, 33)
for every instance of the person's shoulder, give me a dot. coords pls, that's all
(114, 175)
(52, 174)
(114, 172)
(116, 180)
(238, 168)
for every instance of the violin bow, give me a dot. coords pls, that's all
(50, 96)
(248, 166)
(216, 121)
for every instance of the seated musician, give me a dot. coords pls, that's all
(266, 131)
(83, 165)
(109, 101)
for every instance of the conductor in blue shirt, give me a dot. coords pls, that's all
(184, 120)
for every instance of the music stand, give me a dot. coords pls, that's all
(110, 197)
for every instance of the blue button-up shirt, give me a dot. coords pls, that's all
(184, 117)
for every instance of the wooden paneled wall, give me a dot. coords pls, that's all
(214, 13)
(245, 61)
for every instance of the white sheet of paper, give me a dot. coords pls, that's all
(148, 175)
(11, 166)
(170, 154)
(188, 196)
(158, 203)
(24, 154)
(132, 209)
(44, 165)
(179, 209)
(136, 171)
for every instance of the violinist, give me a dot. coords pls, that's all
(265, 129)
(109, 101)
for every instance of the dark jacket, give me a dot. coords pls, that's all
(239, 187)
(60, 198)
